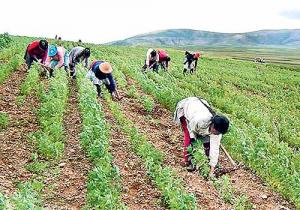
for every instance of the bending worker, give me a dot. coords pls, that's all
(101, 73)
(199, 122)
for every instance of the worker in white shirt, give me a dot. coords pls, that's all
(199, 122)
(151, 61)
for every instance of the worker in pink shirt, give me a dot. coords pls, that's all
(57, 57)
(164, 59)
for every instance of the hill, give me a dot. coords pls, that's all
(184, 37)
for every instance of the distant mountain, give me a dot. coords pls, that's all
(188, 37)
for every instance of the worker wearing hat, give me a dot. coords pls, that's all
(101, 73)
(57, 57)
(36, 51)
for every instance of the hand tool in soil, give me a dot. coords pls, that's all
(223, 171)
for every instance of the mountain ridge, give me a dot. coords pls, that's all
(191, 37)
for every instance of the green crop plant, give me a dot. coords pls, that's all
(165, 178)
(104, 178)
(148, 103)
(3, 120)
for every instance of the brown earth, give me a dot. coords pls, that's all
(68, 189)
(15, 150)
(138, 192)
(167, 136)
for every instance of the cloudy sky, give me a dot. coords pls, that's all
(101, 21)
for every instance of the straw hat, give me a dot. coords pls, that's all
(105, 68)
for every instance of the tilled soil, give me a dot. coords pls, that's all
(15, 150)
(69, 188)
(138, 192)
(167, 136)
(164, 135)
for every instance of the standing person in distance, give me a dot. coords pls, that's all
(101, 73)
(78, 55)
(36, 51)
(200, 122)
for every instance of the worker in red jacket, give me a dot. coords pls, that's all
(164, 59)
(36, 51)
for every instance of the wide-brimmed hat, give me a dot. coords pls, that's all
(105, 68)
(52, 51)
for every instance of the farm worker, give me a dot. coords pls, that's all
(57, 57)
(163, 59)
(190, 63)
(77, 55)
(101, 73)
(151, 61)
(199, 122)
(36, 51)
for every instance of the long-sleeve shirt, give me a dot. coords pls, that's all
(34, 50)
(102, 76)
(150, 58)
(60, 57)
(162, 57)
(198, 119)
(74, 57)
(190, 58)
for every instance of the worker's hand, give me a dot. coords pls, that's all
(116, 96)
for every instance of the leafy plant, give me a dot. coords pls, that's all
(3, 120)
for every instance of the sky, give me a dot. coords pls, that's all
(99, 21)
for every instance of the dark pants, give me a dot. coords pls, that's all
(153, 65)
(99, 89)
(28, 59)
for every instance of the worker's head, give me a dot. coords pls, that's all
(197, 55)
(43, 44)
(220, 125)
(105, 68)
(87, 52)
(168, 58)
(153, 53)
(52, 50)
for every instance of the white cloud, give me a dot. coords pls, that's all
(103, 21)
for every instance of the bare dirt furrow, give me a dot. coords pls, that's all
(161, 132)
(243, 180)
(68, 190)
(138, 192)
(15, 150)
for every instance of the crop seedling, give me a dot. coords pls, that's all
(3, 120)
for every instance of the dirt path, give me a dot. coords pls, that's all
(138, 192)
(15, 150)
(164, 128)
(164, 135)
(70, 186)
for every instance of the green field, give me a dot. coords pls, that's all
(261, 101)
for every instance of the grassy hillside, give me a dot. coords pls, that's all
(186, 37)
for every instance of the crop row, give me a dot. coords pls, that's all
(165, 178)
(104, 181)
(49, 140)
(274, 161)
